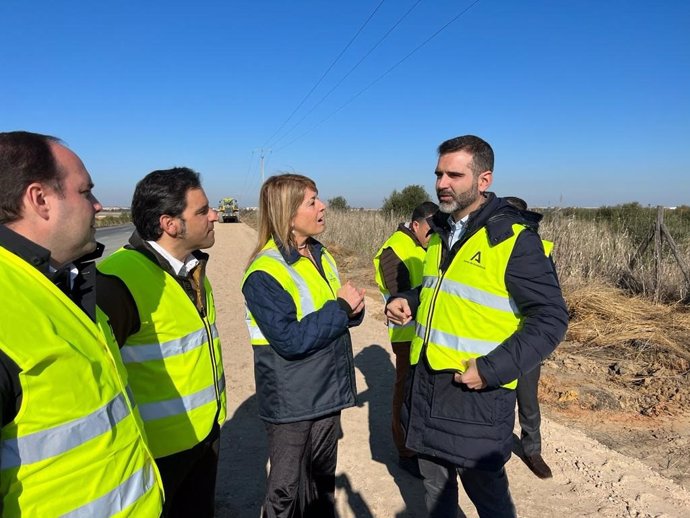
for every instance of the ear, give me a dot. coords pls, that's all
(169, 225)
(414, 226)
(37, 200)
(484, 180)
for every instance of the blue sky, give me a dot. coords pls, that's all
(585, 102)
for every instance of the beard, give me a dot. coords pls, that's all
(460, 201)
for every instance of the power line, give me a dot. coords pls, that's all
(326, 72)
(396, 65)
(376, 45)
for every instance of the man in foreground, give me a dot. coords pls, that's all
(398, 267)
(489, 310)
(161, 307)
(72, 442)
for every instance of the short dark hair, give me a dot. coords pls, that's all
(482, 154)
(424, 210)
(162, 192)
(25, 158)
(516, 202)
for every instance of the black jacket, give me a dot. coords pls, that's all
(307, 371)
(474, 428)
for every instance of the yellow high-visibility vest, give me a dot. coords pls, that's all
(466, 311)
(412, 255)
(308, 289)
(76, 447)
(174, 361)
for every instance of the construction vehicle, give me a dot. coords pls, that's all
(228, 210)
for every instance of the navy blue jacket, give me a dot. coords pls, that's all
(307, 371)
(474, 428)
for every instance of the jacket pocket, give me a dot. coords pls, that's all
(310, 384)
(455, 402)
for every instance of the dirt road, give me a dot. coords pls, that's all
(589, 479)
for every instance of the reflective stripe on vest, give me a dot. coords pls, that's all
(119, 498)
(412, 255)
(54, 454)
(174, 360)
(181, 405)
(155, 351)
(54, 441)
(308, 289)
(474, 294)
(466, 310)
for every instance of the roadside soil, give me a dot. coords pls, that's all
(615, 433)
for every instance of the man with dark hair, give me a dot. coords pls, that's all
(398, 267)
(489, 310)
(66, 418)
(161, 308)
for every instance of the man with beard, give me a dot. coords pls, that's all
(160, 305)
(489, 310)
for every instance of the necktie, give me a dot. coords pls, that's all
(196, 283)
(61, 279)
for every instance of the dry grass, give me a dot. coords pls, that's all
(603, 317)
(592, 265)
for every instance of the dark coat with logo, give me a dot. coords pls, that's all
(473, 428)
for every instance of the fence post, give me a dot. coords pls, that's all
(657, 252)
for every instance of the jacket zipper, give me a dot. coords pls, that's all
(432, 306)
(209, 334)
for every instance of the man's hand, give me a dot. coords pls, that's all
(398, 311)
(471, 376)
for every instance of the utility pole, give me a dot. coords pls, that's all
(262, 155)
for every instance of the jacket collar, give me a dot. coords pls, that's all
(141, 246)
(36, 255)
(405, 229)
(292, 255)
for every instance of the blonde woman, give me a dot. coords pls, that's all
(298, 316)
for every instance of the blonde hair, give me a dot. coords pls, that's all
(279, 200)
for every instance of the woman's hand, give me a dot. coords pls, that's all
(353, 296)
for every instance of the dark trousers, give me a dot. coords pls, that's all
(303, 456)
(488, 490)
(189, 479)
(528, 411)
(402, 368)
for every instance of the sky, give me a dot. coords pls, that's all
(585, 102)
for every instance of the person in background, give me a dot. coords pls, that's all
(71, 439)
(161, 307)
(398, 267)
(299, 315)
(527, 391)
(489, 310)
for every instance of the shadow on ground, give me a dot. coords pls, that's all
(242, 467)
(378, 371)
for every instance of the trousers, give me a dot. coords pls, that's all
(528, 411)
(488, 490)
(303, 457)
(189, 479)
(402, 368)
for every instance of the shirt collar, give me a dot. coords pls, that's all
(457, 229)
(181, 268)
